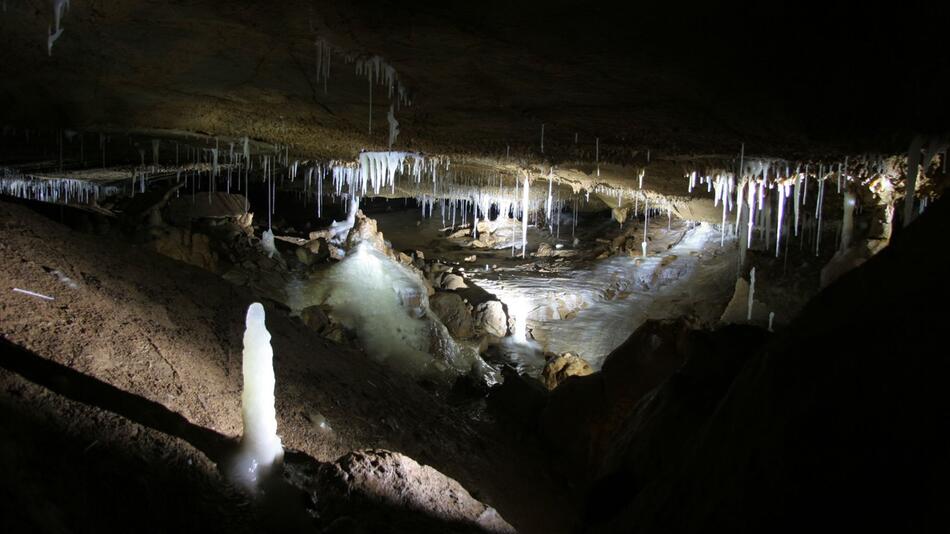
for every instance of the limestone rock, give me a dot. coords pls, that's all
(185, 246)
(454, 314)
(559, 368)
(452, 282)
(304, 255)
(545, 250)
(364, 481)
(365, 230)
(491, 319)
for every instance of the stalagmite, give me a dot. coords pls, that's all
(267, 242)
(519, 310)
(261, 448)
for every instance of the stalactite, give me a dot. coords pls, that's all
(524, 217)
(646, 224)
(818, 209)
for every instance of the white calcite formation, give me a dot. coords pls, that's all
(59, 9)
(51, 189)
(261, 449)
(267, 243)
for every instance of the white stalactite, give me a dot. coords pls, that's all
(524, 217)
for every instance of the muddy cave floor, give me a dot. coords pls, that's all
(130, 382)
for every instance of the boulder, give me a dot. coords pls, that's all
(303, 255)
(452, 282)
(491, 319)
(389, 492)
(560, 368)
(584, 414)
(545, 250)
(454, 314)
(188, 247)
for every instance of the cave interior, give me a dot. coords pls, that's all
(444, 266)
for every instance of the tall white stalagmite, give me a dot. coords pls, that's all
(751, 292)
(519, 310)
(524, 217)
(261, 448)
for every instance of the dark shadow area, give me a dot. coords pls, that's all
(87, 390)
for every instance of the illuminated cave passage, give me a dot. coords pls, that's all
(472, 267)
